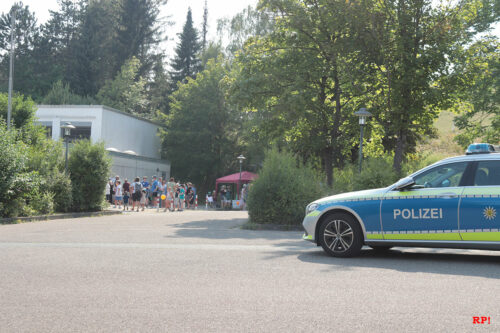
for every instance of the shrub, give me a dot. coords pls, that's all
(282, 191)
(89, 167)
(60, 186)
(12, 160)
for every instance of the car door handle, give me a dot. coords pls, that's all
(448, 195)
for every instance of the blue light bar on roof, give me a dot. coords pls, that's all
(480, 148)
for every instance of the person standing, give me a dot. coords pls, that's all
(170, 193)
(136, 188)
(118, 194)
(176, 196)
(182, 197)
(189, 196)
(146, 187)
(108, 191)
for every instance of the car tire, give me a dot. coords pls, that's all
(340, 235)
(381, 248)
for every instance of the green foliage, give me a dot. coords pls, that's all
(59, 185)
(186, 62)
(89, 167)
(250, 22)
(282, 191)
(12, 159)
(127, 91)
(23, 110)
(478, 76)
(376, 173)
(60, 93)
(202, 130)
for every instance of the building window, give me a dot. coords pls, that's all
(82, 131)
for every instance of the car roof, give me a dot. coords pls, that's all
(462, 158)
(472, 157)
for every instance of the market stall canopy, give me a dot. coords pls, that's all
(246, 177)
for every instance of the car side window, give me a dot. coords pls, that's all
(487, 173)
(448, 175)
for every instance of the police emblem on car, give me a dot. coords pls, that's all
(452, 203)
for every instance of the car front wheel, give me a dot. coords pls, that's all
(340, 235)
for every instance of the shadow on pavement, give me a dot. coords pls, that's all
(437, 261)
(230, 229)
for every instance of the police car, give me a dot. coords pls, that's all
(454, 203)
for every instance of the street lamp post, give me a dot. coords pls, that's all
(11, 67)
(363, 115)
(67, 132)
(240, 158)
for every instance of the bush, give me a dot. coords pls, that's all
(12, 160)
(60, 186)
(282, 191)
(89, 166)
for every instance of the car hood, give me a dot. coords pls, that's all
(352, 195)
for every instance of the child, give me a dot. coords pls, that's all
(126, 196)
(118, 194)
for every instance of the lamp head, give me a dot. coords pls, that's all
(363, 115)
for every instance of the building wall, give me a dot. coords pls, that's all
(128, 167)
(119, 131)
(123, 132)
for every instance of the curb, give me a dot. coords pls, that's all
(16, 220)
(271, 227)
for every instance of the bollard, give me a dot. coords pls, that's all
(196, 202)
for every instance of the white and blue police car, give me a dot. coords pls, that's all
(454, 203)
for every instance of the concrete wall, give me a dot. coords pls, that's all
(123, 132)
(117, 130)
(128, 167)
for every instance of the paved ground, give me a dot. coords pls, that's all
(196, 271)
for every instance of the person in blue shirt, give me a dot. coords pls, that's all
(154, 191)
(145, 186)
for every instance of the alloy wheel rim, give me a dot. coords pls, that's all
(338, 236)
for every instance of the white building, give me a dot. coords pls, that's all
(133, 142)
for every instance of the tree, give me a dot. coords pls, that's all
(478, 76)
(23, 110)
(248, 23)
(159, 89)
(27, 36)
(409, 44)
(204, 28)
(126, 92)
(138, 32)
(201, 133)
(60, 93)
(186, 62)
(302, 79)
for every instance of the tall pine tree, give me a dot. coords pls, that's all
(186, 62)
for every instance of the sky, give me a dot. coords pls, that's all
(175, 11)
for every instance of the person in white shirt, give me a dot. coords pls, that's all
(118, 194)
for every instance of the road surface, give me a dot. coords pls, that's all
(197, 271)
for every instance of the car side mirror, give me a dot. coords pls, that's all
(404, 183)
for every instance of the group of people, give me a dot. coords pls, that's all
(224, 197)
(160, 193)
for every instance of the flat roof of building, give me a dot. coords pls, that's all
(104, 107)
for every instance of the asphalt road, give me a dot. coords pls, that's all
(196, 271)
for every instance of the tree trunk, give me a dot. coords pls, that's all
(399, 152)
(328, 165)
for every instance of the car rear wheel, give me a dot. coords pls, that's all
(340, 235)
